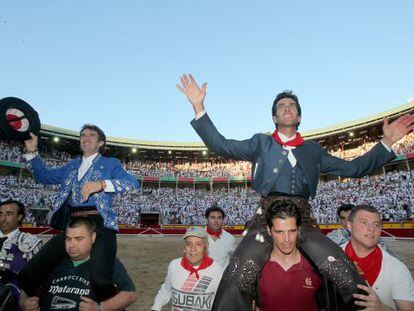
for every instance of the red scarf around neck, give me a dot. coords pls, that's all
(214, 233)
(297, 141)
(370, 265)
(207, 261)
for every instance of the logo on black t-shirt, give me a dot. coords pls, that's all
(60, 303)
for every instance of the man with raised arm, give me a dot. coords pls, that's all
(284, 165)
(87, 187)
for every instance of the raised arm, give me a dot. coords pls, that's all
(42, 174)
(194, 93)
(230, 148)
(396, 130)
(31, 144)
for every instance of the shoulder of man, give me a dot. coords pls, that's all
(311, 144)
(108, 159)
(228, 234)
(119, 266)
(111, 161)
(74, 163)
(121, 277)
(216, 267)
(390, 259)
(175, 262)
(264, 136)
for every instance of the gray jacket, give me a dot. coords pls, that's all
(268, 157)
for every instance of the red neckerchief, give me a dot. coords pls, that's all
(207, 261)
(369, 265)
(214, 233)
(297, 141)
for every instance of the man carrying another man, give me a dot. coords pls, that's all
(285, 165)
(69, 286)
(390, 284)
(342, 235)
(288, 281)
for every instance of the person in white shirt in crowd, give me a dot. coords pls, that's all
(191, 280)
(221, 244)
(390, 285)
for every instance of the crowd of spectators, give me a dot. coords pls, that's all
(392, 193)
(404, 146)
(10, 151)
(178, 168)
(187, 206)
(189, 169)
(27, 191)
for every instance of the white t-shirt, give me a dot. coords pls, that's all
(221, 248)
(394, 281)
(185, 291)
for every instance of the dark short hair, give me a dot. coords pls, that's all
(282, 209)
(214, 208)
(88, 223)
(101, 134)
(367, 208)
(344, 208)
(21, 209)
(287, 94)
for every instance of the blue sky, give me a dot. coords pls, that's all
(116, 63)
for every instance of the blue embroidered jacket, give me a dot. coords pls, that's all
(102, 168)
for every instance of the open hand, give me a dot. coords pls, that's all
(194, 93)
(396, 130)
(370, 301)
(31, 144)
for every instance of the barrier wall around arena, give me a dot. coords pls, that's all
(393, 229)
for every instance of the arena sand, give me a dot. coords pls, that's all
(147, 258)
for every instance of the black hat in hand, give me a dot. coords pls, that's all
(17, 119)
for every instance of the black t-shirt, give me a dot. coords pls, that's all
(67, 283)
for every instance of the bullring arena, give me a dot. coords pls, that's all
(180, 180)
